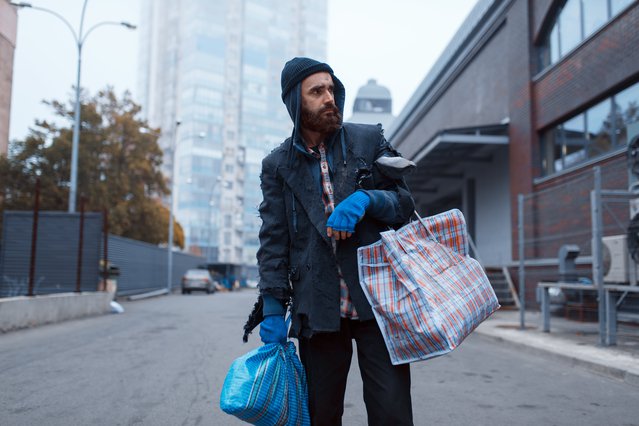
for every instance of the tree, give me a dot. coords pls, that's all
(118, 167)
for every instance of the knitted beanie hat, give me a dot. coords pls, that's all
(297, 69)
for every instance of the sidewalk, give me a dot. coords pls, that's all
(572, 341)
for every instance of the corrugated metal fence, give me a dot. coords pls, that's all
(56, 254)
(143, 266)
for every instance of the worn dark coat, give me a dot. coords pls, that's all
(295, 255)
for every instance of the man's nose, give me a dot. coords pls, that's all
(329, 98)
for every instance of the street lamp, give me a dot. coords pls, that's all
(79, 38)
(170, 241)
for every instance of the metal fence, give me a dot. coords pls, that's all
(50, 255)
(562, 214)
(143, 266)
(58, 252)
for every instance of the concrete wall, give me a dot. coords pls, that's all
(21, 312)
(492, 210)
(478, 96)
(8, 22)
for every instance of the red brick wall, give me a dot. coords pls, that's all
(595, 70)
(520, 129)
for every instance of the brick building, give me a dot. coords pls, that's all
(8, 22)
(528, 97)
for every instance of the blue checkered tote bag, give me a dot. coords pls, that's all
(267, 387)
(426, 292)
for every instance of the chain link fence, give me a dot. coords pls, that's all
(560, 214)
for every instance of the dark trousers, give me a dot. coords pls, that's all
(327, 359)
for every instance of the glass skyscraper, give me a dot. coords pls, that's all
(215, 66)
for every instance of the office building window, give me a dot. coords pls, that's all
(575, 21)
(618, 5)
(595, 14)
(626, 105)
(599, 130)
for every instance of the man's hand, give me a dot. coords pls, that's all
(273, 329)
(341, 223)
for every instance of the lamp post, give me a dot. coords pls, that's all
(79, 37)
(169, 244)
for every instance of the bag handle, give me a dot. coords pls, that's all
(419, 218)
(428, 233)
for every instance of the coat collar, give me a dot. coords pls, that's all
(299, 178)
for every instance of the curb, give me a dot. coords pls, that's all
(147, 295)
(607, 370)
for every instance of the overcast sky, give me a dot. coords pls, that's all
(394, 42)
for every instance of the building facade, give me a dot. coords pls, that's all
(526, 102)
(8, 28)
(215, 67)
(373, 104)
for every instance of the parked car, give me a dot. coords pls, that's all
(198, 279)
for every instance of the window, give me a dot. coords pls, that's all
(618, 5)
(595, 14)
(554, 45)
(574, 141)
(570, 26)
(626, 111)
(597, 131)
(551, 152)
(576, 21)
(373, 105)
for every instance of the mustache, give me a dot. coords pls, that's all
(332, 108)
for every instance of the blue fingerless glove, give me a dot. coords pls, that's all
(273, 329)
(349, 212)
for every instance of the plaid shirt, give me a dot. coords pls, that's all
(346, 308)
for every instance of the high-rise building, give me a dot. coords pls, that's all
(215, 66)
(8, 22)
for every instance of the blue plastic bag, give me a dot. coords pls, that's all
(267, 387)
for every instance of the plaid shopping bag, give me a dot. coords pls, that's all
(427, 294)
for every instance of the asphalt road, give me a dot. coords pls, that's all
(164, 360)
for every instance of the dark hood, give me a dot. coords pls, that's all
(296, 70)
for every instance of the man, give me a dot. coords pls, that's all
(325, 195)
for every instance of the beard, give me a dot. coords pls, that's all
(327, 120)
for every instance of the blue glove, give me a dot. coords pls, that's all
(273, 329)
(349, 212)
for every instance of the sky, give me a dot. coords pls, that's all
(395, 43)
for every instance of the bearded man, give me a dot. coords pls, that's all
(326, 193)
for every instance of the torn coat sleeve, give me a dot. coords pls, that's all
(273, 254)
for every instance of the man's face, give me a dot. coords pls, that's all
(319, 112)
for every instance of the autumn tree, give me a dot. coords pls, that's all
(118, 167)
